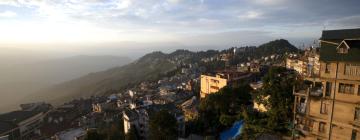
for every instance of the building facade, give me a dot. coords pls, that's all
(210, 84)
(329, 107)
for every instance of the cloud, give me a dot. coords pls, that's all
(8, 14)
(269, 2)
(178, 18)
(123, 4)
(353, 21)
(251, 15)
(8, 2)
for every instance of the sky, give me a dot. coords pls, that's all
(39, 24)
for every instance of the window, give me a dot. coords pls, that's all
(214, 87)
(353, 134)
(328, 89)
(357, 114)
(324, 107)
(215, 81)
(321, 127)
(352, 69)
(342, 50)
(359, 90)
(327, 67)
(346, 88)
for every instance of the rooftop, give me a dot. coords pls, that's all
(6, 126)
(328, 52)
(17, 116)
(340, 34)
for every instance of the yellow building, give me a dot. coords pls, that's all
(330, 107)
(211, 84)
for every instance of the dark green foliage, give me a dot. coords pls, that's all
(131, 135)
(278, 86)
(113, 131)
(222, 109)
(279, 46)
(94, 135)
(163, 126)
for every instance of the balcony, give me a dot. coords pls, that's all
(302, 88)
(316, 90)
(301, 108)
(304, 129)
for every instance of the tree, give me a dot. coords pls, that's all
(221, 109)
(94, 135)
(131, 135)
(163, 126)
(115, 133)
(278, 86)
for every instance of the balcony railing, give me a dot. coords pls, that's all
(301, 108)
(317, 90)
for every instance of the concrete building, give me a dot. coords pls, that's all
(307, 65)
(138, 119)
(329, 107)
(211, 84)
(18, 125)
(130, 119)
(297, 64)
(71, 134)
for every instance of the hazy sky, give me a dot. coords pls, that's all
(28, 23)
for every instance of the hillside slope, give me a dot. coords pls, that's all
(21, 79)
(148, 67)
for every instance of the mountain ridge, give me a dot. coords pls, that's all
(148, 67)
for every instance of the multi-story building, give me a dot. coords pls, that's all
(211, 84)
(138, 119)
(296, 64)
(307, 65)
(329, 107)
(18, 125)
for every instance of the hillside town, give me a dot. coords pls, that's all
(231, 94)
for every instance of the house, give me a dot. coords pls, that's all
(71, 134)
(189, 109)
(20, 124)
(329, 107)
(130, 119)
(138, 119)
(210, 84)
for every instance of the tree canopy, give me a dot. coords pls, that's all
(163, 126)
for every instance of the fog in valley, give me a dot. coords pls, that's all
(25, 72)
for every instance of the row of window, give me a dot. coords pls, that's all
(343, 88)
(348, 88)
(324, 109)
(349, 69)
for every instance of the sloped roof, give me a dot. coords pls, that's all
(340, 34)
(17, 116)
(353, 43)
(6, 126)
(328, 52)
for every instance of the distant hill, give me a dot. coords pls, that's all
(21, 79)
(148, 67)
(279, 46)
